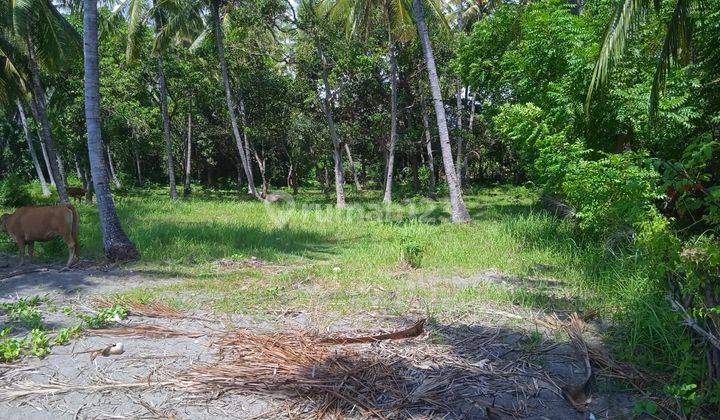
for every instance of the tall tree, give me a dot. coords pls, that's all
(116, 244)
(49, 43)
(229, 100)
(31, 147)
(172, 20)
(459, 212)
(397, 20)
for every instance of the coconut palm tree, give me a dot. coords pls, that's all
(116, 244)
(215, 11)
(172, 19)
(459, 212)
(397, 18)
(675, 46)
(47, 42)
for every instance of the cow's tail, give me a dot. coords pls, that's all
(74, 222)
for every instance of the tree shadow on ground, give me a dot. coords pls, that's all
(207, 241)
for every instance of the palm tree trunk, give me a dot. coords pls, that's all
(428, 148)
(459, 127)
(246, 138)
(358, 186)
(387, 198)
(457, 204)
(113, 174)
(327, 109)
(471, 126)
(40, 114)
(31, 147)
(162, 90)
(188, 157)
(116, 244)
(220, 44)
(47, 162)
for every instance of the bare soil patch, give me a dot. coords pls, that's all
(200, 365)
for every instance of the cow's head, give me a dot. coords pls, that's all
(3, 221)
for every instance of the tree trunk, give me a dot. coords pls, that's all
(116, 244)
(77, 169)
(245, 136)
(459, 127)
(428, 148)
(188, 157)
(220, 44)
(88, 185)
(327, 109)
(162, 90)
(459, 212)
(31, 147)
(358, 186)
(387, 197)
(463, 173)
(459, 104)
(113, 174)
(261, 165)
(239, 171)
(137, 165)
(47, 163)
(415, 175)
(40, 114)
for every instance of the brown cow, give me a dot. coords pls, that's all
(43, 223)
(76, 192)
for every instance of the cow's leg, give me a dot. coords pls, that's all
(31, 249)
(21, 249)
(72, 250)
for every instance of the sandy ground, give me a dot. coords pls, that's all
(473, 368)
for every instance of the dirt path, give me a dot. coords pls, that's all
(466, 368)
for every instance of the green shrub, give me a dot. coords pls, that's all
(14, 192)
(612, 194)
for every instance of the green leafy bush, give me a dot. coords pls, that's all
(14, 192)
(612, 194)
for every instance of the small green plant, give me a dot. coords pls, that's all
(644, 407)
(411, 251)
(9, 347)
(64, 335)
(686, 396)
(103, 317)
(25, 311)
(39, 344)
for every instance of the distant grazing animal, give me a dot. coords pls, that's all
(76, 192)
(277, 198)
(43, 223)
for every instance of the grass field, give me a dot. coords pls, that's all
(242, 256)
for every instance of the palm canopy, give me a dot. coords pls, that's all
(626, 19)
(12, 80)
(357, 15)
(175, 20)
(55, 41)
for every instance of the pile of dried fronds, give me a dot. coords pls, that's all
(150, 309)
(150, 331)
(332, 377)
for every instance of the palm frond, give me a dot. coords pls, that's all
(622, 24)
(137, 15)
(675, 49)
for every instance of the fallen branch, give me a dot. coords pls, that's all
(411, 332)
(692, 323)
